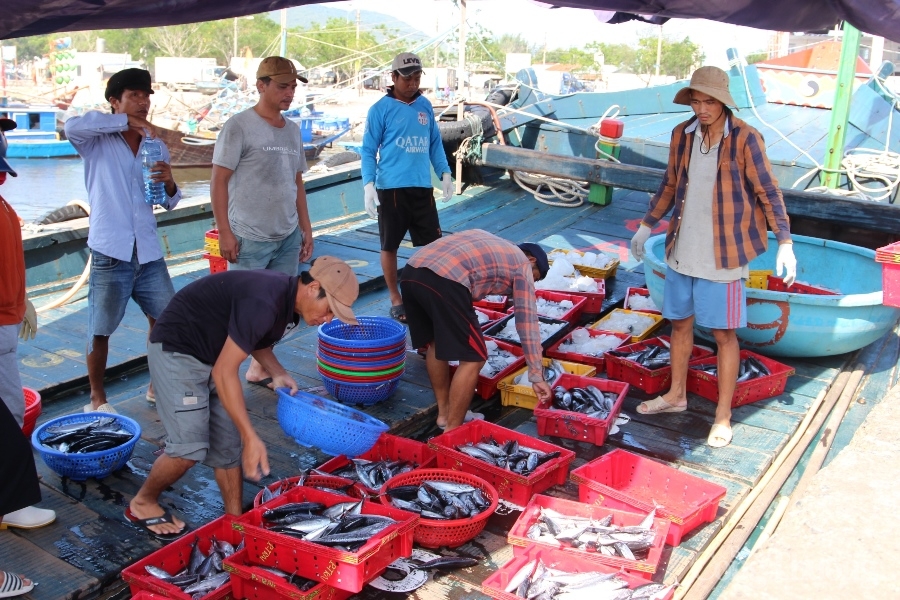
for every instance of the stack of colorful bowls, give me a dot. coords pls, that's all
(362, 364)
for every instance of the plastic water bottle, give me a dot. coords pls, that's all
(151, 153)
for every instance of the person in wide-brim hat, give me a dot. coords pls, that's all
(711, 81)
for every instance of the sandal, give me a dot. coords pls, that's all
(719, 436)
(398, 312)
(146, 524)
(14, 586)
(106, 407)
(658, 405)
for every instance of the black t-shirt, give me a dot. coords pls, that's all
(254, 308)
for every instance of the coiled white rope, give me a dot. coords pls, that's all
(560, 191)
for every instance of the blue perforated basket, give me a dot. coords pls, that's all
(89, 464)
(361, 393)
(372, 332)
(329, 426)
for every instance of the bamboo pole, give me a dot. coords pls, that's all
(695, 588)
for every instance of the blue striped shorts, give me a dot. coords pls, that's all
(713, 304)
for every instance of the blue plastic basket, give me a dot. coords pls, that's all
(372, 332)
(361, 393)
(358, 354)
(329, 426)
(89, 464)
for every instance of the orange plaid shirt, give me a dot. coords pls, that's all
(745, 195)
(487, 264)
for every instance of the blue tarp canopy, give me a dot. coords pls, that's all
(33, 17)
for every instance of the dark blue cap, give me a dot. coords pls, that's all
(539, 255)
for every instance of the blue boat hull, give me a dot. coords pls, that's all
(783, 324)
(40, 149)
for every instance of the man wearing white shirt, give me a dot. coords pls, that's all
(126, 258)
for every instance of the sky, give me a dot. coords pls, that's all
(565, 27)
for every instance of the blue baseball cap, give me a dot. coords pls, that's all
(540, 257)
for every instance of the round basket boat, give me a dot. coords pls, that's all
(789, 324)
(432, 533)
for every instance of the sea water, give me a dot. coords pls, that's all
(45, 184)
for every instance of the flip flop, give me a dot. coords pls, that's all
(145, 524)
(719, 436)
(398, 312)
(14, 586)
(151, 398)
(262, 382)
(658, 405)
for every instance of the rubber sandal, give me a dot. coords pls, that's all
(719, 436)
(151, 398)
(262, 382)
(145, 524)
(106, 407)
(14, 586)
(658, 405)
(398, 312)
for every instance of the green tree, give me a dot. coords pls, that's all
(572, 56)
(756, 57)
(617, 55)
(678, 58)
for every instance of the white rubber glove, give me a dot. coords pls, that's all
(371, 199)
(637, 242)
(29, 323)
(785, 261)
(447, 187)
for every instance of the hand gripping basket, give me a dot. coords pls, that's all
(372, 332)
(80, 466)
(433, 533)
(330, 426)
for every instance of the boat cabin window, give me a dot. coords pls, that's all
(34, 120)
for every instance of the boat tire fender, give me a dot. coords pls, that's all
(62, 214)
(340, 158)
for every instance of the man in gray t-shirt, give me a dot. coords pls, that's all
(257, 193)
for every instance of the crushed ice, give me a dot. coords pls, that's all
(509, 332)
(597, 260)
(639, 302)
(625, 322)
(562, 277)
(581, 342)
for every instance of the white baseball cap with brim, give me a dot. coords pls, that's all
(406, 63)
(340, 285)
(711, 81)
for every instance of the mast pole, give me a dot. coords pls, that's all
(837, 130)
(283, 32)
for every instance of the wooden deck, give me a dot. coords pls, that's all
(82, 554)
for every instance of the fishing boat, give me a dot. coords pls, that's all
(36, 134)
(83, 553)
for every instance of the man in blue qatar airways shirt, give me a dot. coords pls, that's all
(126, 258)
(401, 144)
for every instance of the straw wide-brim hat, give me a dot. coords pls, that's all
(711, 81)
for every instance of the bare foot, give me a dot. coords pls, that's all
(151, 510)
(256, 372)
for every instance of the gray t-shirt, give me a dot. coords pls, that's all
(262, 192)
(694, 253)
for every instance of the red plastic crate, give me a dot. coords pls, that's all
(776, 284)
(252, 583)
(493, 316)
(487, 386)
(498, 306)
(217, 264)
(707, 386)
(640, 483)
(495, 585)
(145, 596)
(597, 361)
(511, 486)
(644, 568)
(211, 242)
(573, 315)
(348, 571)
(575, 425)
(636, 291)
(595, 300)
(355, 491)
(651, 381)
(175, 556)
(890, 284)
(389, 447)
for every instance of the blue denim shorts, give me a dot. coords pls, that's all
(283, 255)
(198, 427)
(114, 281)
(713, 304)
